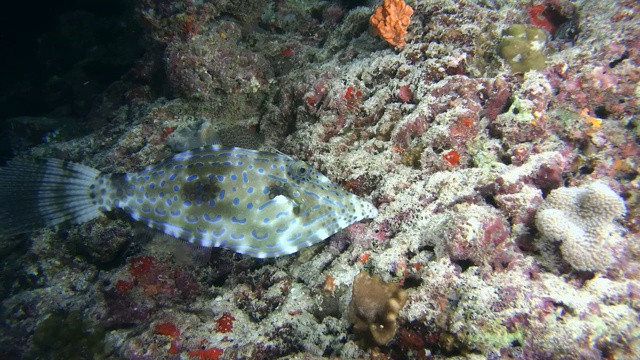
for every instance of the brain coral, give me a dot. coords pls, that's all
(582, 219)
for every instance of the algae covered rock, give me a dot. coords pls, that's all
(522, 47)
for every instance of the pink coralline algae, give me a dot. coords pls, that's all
(408, 130)
(404, 94)
(483, 241)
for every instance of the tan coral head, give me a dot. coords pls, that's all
(583, 220)
(374, 307)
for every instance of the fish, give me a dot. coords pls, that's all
(258, 203)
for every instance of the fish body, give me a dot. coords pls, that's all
(257, 203)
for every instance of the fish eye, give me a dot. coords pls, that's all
(300, 170)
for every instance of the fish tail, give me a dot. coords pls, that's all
(45, 193)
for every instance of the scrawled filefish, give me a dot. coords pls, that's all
(257, 203)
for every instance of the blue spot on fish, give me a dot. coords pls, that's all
(239, 221)
(218, 235)
(327, 200)
(210, 219)
(318, 218)
(277, 178)
(312, 194)
(257, 237)
(298, 235)
(261, 207)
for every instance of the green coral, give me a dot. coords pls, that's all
(490, 337)
(522, 47)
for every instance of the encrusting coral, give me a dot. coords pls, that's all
(582, 218)
(522, 47)
(374, 307)
(390, 21)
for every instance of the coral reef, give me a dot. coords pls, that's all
(582, 219)
(465, 157)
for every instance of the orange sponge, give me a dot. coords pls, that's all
(390, 21)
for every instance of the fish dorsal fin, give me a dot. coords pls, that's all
(276, 151)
